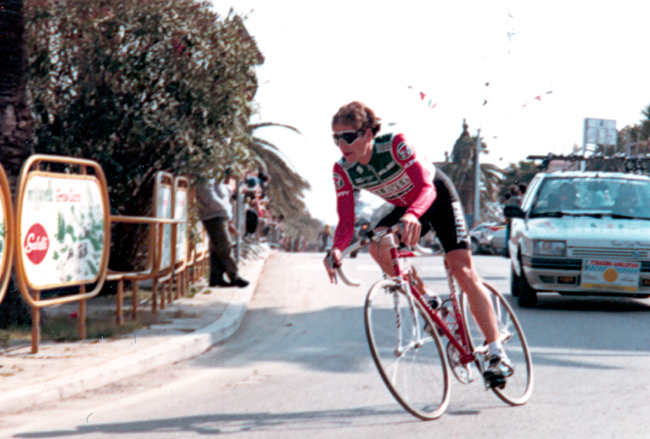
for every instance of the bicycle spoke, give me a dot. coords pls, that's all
(519, 386)
(409, 360)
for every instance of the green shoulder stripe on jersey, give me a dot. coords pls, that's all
(384, 138)
(384, 143)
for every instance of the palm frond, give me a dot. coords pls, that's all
(254, 126)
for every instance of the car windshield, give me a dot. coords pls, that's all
(593, 196)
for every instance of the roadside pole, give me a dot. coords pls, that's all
(238, 209)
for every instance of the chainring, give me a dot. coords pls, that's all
(462, 372)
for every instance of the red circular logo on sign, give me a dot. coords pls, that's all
(36, 244)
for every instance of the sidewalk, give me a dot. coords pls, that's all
(191, 326)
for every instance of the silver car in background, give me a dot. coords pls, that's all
(497, 242)
(481, 235)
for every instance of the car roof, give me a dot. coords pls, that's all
(595, 174)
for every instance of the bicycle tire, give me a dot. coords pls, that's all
(519, 386)
(418, 377)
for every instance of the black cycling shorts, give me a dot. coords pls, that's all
(445, 216)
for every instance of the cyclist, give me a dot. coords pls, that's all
(423, 197)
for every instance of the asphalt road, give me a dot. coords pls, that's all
(300, 368)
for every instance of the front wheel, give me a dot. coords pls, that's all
(410, 360)
(519, 386)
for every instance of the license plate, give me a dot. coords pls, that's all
(610, 275)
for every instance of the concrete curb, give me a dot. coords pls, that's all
(173, 349)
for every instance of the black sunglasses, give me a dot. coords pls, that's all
(348, 136)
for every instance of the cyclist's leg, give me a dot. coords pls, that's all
(462, 268)
(380, 252)
(448, 221)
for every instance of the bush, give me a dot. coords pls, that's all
(140, 86)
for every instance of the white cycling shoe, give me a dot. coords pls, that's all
(499, 368)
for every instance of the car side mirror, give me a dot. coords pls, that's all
(513, 212)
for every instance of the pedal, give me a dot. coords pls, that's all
(462, 372)
(495, 382)
(498, 384)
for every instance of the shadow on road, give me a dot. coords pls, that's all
(334, 340)
(579, 332)
(228, 423)
(558, 302)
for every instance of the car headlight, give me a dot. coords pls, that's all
(542, 247)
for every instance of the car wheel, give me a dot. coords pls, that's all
(475, 247)
(495, 251)
(520, 288)
(514, 282)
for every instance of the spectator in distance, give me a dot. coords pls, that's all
(325, 236)
(626, 201)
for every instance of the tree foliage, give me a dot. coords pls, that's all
(15, 133)
(644, 124)
(517, 173)
(139, 86)
(303, 224)
(460, 167)
(287, 186)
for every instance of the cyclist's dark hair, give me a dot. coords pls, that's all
(359, 116)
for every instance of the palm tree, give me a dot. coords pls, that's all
(460, 168)
(15, 135)
(645, 123)
(287, 186)
(518, 173)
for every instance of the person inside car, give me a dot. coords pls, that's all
(626, 201)
(565, 199)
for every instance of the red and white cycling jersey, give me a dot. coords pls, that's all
(394, 173)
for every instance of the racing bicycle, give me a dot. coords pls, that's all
(415, 346)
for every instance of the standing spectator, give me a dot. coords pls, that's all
(522, 189)
(295, 246)
(252, 192)
(280, 229)
(325, 237)
(515, 196)
(215, 211)
(514, 199)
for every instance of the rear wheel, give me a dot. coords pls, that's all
(410, 360)
(519, 386)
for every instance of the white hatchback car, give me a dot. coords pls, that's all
(581, 233)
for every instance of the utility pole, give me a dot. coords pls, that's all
(239, 209)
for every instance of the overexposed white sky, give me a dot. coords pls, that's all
(592, 55)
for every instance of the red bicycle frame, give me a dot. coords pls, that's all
(465, 356)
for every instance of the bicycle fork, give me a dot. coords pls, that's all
(416, 331)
